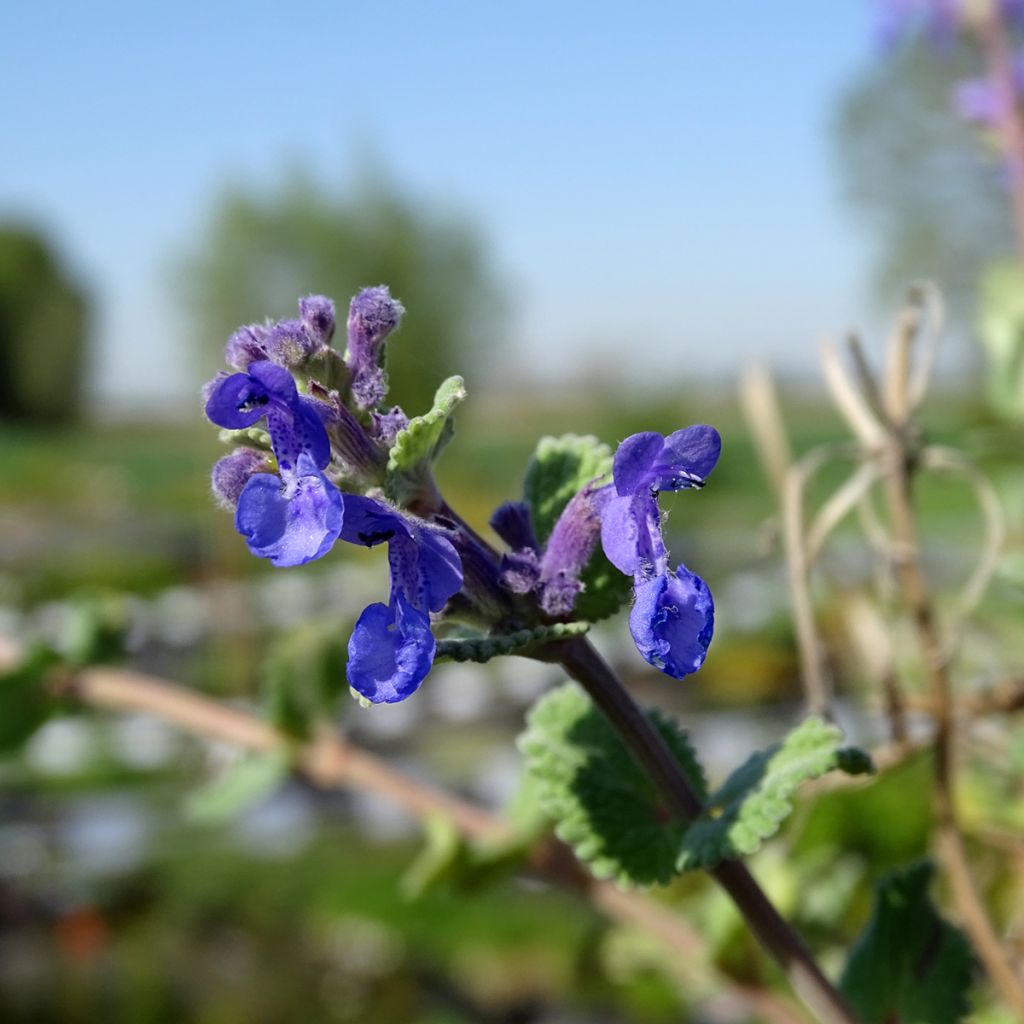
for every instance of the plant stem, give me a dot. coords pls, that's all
(586, 666)
(949, 840)
(331, 762)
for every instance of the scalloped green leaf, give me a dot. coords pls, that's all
(560, 467)
(758, 796)
(909, 966)
(482, 647)
(417, 447)
(603, 804)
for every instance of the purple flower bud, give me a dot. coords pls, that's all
(317, 315)
(520, 571)
(568, 550)
(372, 316)
(231, 473)
(511, 522)
(247, 345)
(290, 344)
(386, 426)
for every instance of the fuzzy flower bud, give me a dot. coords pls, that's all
(290, 344)
(317, 315)
(247, 345)
(231, 474)
(372, 316)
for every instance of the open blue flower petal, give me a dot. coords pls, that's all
(290, 520)
(631, 534)
(390, 652)
(650, 462)
(424, 564)
(672, 621)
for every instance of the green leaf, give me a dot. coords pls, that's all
(909, 966)
(481, 647)
(560, 468)
(442, 851)
(417, 447)
(757, 797)
(603, 804)
(241, 785)
(24, 702)
(97, 629)
(303, 675)
(1001, 331)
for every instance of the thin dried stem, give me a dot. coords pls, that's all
(759, 400)
(849, 402)
(949, 460)
(931, 322)
(836, 509)
(817, 691)
(331, 762)
(949, 841)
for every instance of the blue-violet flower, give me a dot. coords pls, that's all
(392, 649)
(673, 614)
(297, 516)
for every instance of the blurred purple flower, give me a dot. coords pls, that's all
(898, 19)
(977, 99)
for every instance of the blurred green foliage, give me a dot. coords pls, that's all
(260, 252)
(44, 323)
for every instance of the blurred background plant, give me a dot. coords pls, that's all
(150, 875)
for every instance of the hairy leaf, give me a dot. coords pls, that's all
(603, 804)
(757, 797)
(909, 966)
(560, 467)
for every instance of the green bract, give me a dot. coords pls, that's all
(481, 647)
(419, 444)
(603, 803)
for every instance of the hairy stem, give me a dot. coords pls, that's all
(584, 664)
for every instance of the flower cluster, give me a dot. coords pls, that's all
(287, 507)
(314, 463)
(673, 614)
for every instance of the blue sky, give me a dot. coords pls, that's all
(655, 181)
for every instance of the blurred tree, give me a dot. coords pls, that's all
(43, 330)
(931, 194)
(260, 254)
